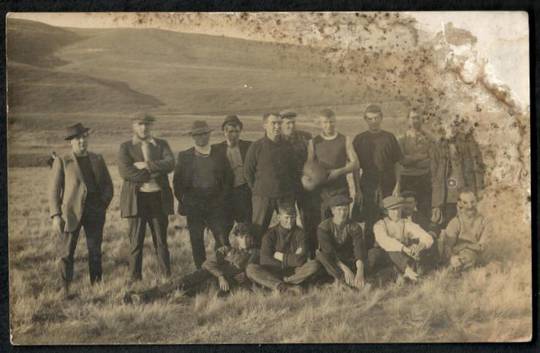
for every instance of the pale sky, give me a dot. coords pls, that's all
(502, 35)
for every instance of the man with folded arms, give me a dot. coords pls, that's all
(399, 241)
(343, 252)
(80, 191)
(283, 261)
(234, 150)
(146, 198)
(201, 181)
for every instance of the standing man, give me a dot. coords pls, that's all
(283, 258)
(80, 191)
(416, 173)
(234, 150)
(335, 153)
(400, 242)
(146, 198)
(271, 173)
(456, 163)
(378, 152)
(202, 179)
(343, 252)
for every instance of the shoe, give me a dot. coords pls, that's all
(289, 288)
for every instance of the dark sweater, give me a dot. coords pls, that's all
(270, 168)
(347, 246)
(286, 241)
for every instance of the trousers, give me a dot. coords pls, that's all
(330, 264)
(92, 220)
(238, 207)
(263, 210)
(271, 277)
(211, 218)
(149, 212)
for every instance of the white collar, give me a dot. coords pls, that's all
(136, 139)
(328, 138)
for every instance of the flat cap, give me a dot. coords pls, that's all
(339, 200)
(373, 109)
(232, 120)
(143, 118)
(288, 114)
(393, 202)
(287, 208)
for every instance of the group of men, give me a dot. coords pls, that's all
(410, 206)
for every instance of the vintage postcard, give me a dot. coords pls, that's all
(181, 178)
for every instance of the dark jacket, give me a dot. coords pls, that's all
(349, 249)
(470, 169)
(67, 191)
(270, 168)
(162, 163)
(233, 262)
(221, 149)
(290, 242)
(189, 199)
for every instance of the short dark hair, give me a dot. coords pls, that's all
(242, 228)
(267, 115)
(373, 109)
(327, 113)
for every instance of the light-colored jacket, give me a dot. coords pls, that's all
(67, 189)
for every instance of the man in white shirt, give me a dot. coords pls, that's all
(399, 241)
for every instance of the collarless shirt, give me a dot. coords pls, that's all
(393, 235)
(235, 159)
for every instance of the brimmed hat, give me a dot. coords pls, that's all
(392, 202)
(199, 127)
(288, 114)
(339, 200)
(143, 118)
(75, 130)
(233, 120)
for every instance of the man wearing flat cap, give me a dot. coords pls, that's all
(284, 263)
(80, 191)
(399, 241)
(234, 151)
(202, 179)
(342, 247)
(144, 163)
(271, 173)
(378, 154)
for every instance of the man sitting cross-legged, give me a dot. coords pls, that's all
(227, 266)
(283, 261)
(399, 241)
(462, 242)
(342, 246)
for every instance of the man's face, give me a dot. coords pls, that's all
(374, 121)
(288, 126)
(414, 120)
(287, 220)
(79, 144)
(409, 206)
(467, 203)
(244, 241)
(142, 130)
(395, 214)
(328, 125)
(232, 133)
(201, 140)
(272, 126)
(340, 213)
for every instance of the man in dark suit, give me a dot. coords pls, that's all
(234, 150)
(80, 191)
(146, 198)
(201, 180)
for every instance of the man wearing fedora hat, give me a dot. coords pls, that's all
(80, 191)
(202, 179)
(144, 162)
(233, 150)
(399, 241)
(342, 247)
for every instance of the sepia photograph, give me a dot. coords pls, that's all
(268, 177)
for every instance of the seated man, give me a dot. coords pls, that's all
(399, 241)
(227, 266)
(283, 261)
(462, 242)
(342, 248)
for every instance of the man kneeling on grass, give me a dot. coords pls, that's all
(400, 241)
(342, 246)
(227, 266)
(283, 263)
(462, 242)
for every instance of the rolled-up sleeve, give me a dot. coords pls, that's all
(414, 231)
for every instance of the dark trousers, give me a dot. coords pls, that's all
(211, 218)
(238, 207)
(92, 220)
(310, 214)
(449, 211)
(421, 185)
(330, 264)
(271, 276)
(263, 210)
(379, 259)
(149, 212)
